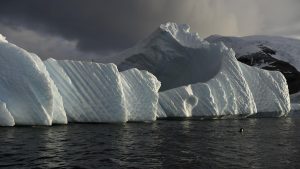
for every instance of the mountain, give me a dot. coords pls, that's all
(269, 53)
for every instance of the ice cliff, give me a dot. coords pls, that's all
(27, 93)
(33, 92)
(95, 92)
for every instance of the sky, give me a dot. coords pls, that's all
(85, 29)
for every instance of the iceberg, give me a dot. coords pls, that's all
(91, 92)
(33, 92)
(169, 52)
(205, 79)
(267, 52)
(26, 90)
(141, 94)
(172, 73)
(227, 94)
(95, 92)
(6, 119)
(270, 91)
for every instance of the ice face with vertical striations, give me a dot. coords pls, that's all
(94, 92)
(26, 88)
(33, 92)
(141, 94)
(203, 79)
(270, 91)
(227, 94)
(91, 92)
(6, 119)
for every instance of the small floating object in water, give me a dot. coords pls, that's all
(241, 130)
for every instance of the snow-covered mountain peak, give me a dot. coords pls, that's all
(181, 33)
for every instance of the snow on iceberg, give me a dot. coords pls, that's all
(94, 92)
(26, 88)
(203, 79)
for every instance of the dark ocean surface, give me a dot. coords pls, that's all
(265, 143)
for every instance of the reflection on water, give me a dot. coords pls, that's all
(265, 143)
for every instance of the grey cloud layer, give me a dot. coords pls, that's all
(103, 26)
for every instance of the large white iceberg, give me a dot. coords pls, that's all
(94, 92)
(198, 79)
(26, 90)
(203, 79)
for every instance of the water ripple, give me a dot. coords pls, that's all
(265, 143)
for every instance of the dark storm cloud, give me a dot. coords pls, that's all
(97, 24)
(104, 26)
(93, 23)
